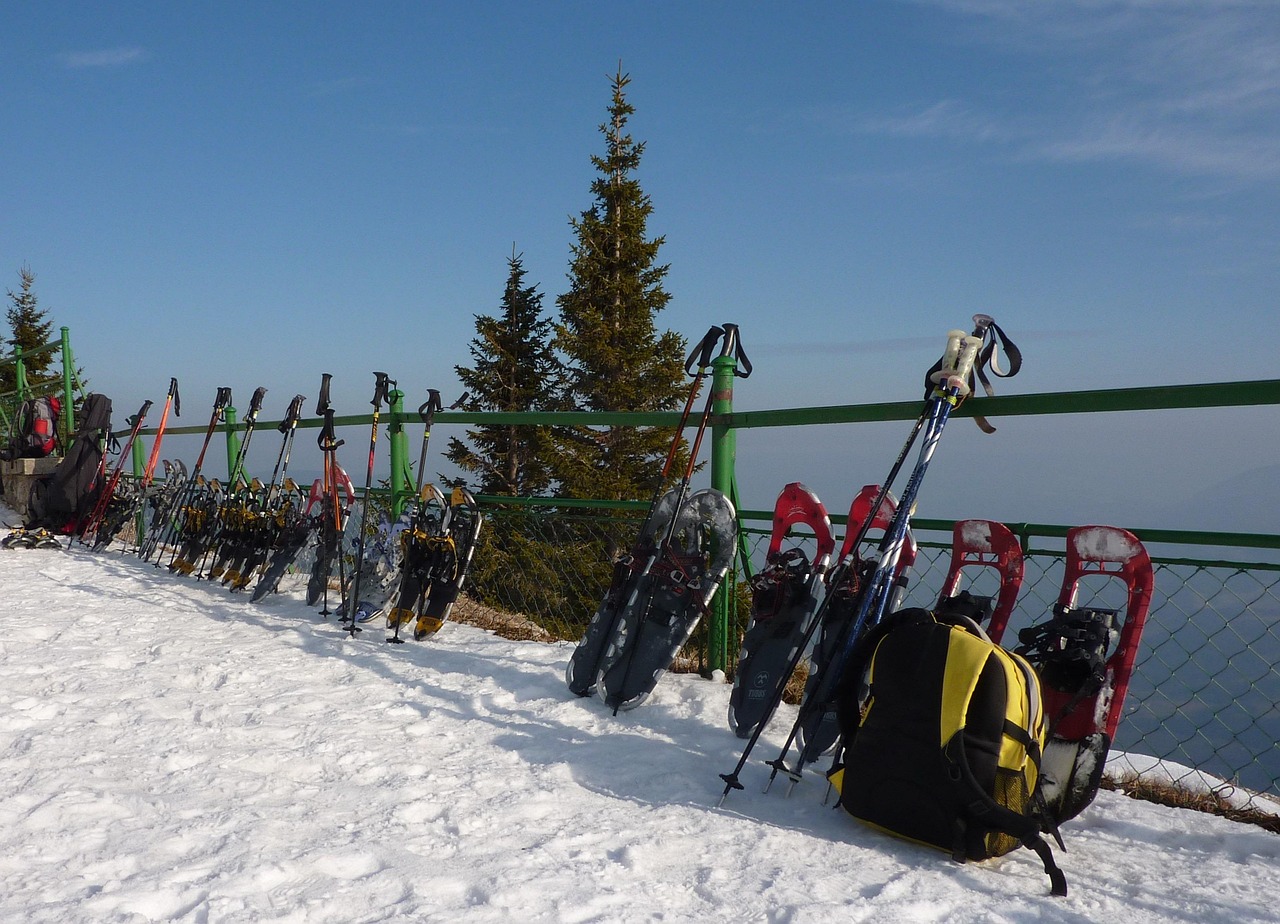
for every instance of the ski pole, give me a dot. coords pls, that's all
(257, 533)
(237, 468)
(108, 491)
(288, 427)
(427, 411)
(380, 388)
(582, 680)
(950, 386)
(730, 347)
(331, 514)
(156, 538)
(172, 400)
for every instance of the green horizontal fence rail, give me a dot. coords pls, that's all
(1202, 700)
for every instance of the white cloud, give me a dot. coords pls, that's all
(103, 57)
(1187, 86)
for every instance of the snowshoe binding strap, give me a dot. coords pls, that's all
(1070, 649)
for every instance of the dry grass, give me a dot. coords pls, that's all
(505, 625)
(1175, 796)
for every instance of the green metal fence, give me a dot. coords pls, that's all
(1203, 698)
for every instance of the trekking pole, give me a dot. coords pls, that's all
(730, 347)
(427, 411)
(949, 381)
(835, 577)
(237, 468)
(174, 402)
(352, 601)
(108, 490)
(288, 427)
(259, 534)
(330, 512)
(580, 675)
(168, 524)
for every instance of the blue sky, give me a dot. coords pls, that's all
(251, 194)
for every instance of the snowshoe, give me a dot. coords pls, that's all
(986, 544)
(290, 541)
(43, 539)
(424, 549)
(784, 597)
(818, 731)
(463, 530)
(1085, 657)
(18, 539)
(669, 600)
(628, 570)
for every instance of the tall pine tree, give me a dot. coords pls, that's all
(29, 328)
(514, 368)
(616, 359)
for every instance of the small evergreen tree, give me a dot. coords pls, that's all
(514, 368)
(617, 360)
(29, 328)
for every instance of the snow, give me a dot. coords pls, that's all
(976, 535)
(1105, 543)
(171, 752)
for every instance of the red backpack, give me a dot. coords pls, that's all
(35, 429)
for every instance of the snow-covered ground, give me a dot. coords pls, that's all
(171, 752)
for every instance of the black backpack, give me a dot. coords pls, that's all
(35, 429)
(62, 500)
(942, 732)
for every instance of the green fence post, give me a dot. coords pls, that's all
(139, 468)
(68, 378)
(19, 373)
(233, 441)
(399, 452)
(723, 451)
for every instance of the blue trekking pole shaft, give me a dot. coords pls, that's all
(950, 385)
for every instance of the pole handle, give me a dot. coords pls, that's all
(733, 347)
(322, 404)
(255, 403)
(701, 356)
(427, 410)
(326, 441)
(293, 414)
(381, 383)
(142, 413)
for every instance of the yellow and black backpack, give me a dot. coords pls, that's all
(942, 732)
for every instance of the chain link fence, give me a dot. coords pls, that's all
(1203, 707)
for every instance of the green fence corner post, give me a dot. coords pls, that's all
(723, 451)
(233, 441)
(68, 378)
(398, 447)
